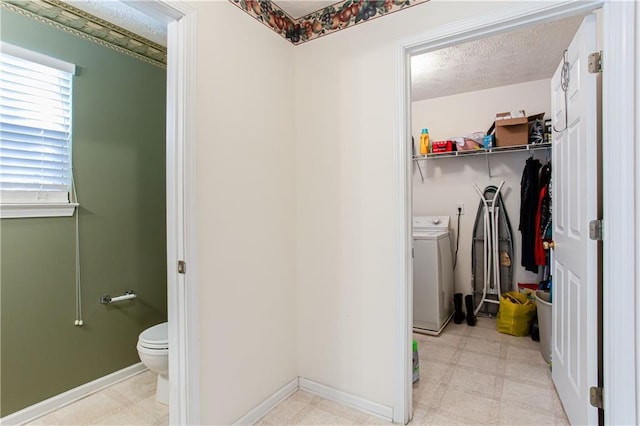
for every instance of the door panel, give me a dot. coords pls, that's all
(574, 264)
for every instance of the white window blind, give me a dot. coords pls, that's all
(35, 127)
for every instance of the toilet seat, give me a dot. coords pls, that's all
(155, 338)
(152, 351)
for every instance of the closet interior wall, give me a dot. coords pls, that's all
(449, 181)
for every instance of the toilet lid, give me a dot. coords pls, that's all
(156, 337)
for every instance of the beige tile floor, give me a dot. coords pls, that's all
(475, 375)
(468, 375)
(130, 402)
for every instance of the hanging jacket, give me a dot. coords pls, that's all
(529, 200)
(543, 216)
(546, 214)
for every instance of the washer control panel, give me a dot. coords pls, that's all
(430, 223)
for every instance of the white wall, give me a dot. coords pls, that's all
(344, 89)
(449, 180)
(245, 211)
(296, 205)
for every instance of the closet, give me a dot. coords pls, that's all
(459, 90)
(469, 85)
(443, 182)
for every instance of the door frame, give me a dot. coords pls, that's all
(621, 205)
(182, 288)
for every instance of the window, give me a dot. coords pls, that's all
(35, 134)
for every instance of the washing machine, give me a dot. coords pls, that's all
(432, 274)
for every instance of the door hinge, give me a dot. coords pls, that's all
(182, 267)
(595, 397)
(595, 62)
(595, 230)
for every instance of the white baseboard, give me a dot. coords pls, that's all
(323, 391)
(268, 404)
(42, 408)
(346, 398)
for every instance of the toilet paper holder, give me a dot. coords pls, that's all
(105, 299)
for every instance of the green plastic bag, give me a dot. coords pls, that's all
(515, 314)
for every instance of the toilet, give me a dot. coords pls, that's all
(153, 350)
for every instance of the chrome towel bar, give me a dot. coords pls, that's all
(106, 299)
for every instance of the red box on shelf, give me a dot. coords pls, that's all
(442, 146)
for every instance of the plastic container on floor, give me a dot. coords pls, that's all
(544, 323)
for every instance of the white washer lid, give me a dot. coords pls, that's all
(430, 223)
(155, 337)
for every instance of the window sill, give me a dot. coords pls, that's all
(13, 211)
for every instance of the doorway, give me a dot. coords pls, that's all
(456, 33)
(182, 287)
(456, 93)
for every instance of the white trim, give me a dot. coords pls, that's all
(14, 211)
(190, 235)
(403, 309)
(37, 57)
(637, 215)
(29, 414)
(621, 223)
(499, 21)
(620, 199)
(268, 404)
(346, 399)
(182, 289)
(637, 218)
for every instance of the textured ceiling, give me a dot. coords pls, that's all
(510, 58)
(299, 8)
(125, 16)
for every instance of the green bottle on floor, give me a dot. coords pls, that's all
(416, 362)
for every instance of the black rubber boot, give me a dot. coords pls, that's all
(458, 315)
(471, 318)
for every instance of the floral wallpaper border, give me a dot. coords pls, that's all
(333, 18)
(75, 21)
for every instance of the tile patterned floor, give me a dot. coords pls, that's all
(303, 408)
(130, 402)
(468, 375)
(475, 375)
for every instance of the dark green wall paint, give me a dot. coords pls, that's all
(119, 160)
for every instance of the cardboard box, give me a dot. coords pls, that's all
(511, 131)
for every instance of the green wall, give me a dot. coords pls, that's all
(119, 161)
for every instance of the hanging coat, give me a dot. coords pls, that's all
(529, 200)
(543, 217)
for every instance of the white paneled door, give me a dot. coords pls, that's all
(575, 203)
